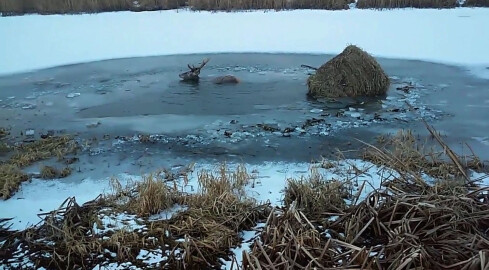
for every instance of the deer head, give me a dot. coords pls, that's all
(194, 72)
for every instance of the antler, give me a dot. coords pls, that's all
(204, 62)
(193, 73)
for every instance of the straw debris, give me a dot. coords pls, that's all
(352, 73)
(26, 154)
(10, 178)
(412, 158)
(407, 223)
(121, 226)
(42, 149)
(49, 172)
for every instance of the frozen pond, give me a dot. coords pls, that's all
(268, 116)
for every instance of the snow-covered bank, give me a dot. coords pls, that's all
(457, 36)
(269, 181)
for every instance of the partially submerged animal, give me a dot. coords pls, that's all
(227, 79)
(193, 75)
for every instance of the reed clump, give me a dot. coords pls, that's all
(352, 73)
(315, 195)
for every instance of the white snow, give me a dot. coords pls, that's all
(152, 257)
(118, 221)
(168, 213)
(457, 36)
(40, 196)
(247, 240)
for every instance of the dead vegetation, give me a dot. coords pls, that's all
(28, 153)
(195, 238)
(411, 156)
(4, 147)
(49, 172)
(267, 4)
(388, 230)
(19, 7)
(352, 73)
(389, 4)
(315, 196)
(10, 178)
(3, 133)
(408, 223)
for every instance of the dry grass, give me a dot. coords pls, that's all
(19, 7)
(4, 147)
(389, 4)
(315, 196)
(352, 73)
(65, 172)
(49, 172)
(410, 157)
(408, 224)
(193, 239)
(28, 153)
(385, 231)
(215, 216)
(10, 178)
(153, 195)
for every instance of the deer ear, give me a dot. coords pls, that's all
(189, 67)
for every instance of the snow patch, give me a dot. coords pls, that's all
(29, 41)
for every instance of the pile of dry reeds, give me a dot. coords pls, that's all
(352, 73)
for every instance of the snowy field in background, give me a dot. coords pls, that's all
(455, 36)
